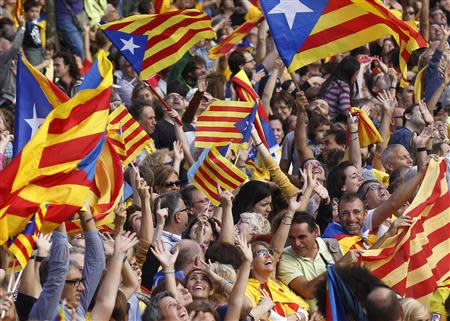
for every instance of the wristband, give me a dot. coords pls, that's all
(125, 258)
(259, 144)
(354, 132)
(169, 271)
(421, 149)
(39, 258)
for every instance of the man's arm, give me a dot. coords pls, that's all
(47, 303)
(301, 138)
(94, 260)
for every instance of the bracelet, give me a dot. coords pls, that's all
(39, 258)
(259, 144)
(169, 271)
(125, 258)
(354, 132)
(421, 149)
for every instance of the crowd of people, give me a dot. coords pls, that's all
(263, 253)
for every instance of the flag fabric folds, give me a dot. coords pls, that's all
(309, 30)
(58, 163)
(22, 245)
(227, 44)
(217, 170)
(416, 259)
(217, 123)
(154, 42)
(340, 299)
(245, 125)
(245, 92)
(367, 132)
(161, 6)
(126, 134)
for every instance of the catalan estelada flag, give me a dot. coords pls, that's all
(245, 92)
(58, 164)
(126, 134)
(227, 44)
(217, 123)
(22, 245)
(417, 258)
(308, 30)
(217, 170)
(152, 43)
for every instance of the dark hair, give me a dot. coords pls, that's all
(29, 4)
(409, 111)
(137, 88)
(162, 173)
(336, 179)
(224, 253)
(69, 60)
(236, 60)
(304, 217)
(360, 280)
(203, 306)
(250, 193)
(216, 85)
(176, 86)
(152, 312)
(191, 65)
(315, 121)
(144, 7)
(186, 194)
(340, 136)
(283, 96)
(348, 197)
(130, 210)
(137, 107)
(344, 71)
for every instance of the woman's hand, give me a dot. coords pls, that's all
(164, 256)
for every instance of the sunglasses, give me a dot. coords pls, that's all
(263, 252)
(170, 184)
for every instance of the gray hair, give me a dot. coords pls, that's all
(152, 312)
(388, 153)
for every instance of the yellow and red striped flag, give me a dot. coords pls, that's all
(154, 42)
(304, 33)
(17, 11)
(367, 132)
(228, 43)
(217, 170)
(22, 245)
(126, 134)
(216, 123)
(416, 259)
(161, 6)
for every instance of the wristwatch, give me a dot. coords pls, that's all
(250, 317)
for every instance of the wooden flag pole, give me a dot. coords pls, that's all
(294, 79)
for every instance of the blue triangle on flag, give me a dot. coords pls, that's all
(131, 46)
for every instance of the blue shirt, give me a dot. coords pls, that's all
(401, 136)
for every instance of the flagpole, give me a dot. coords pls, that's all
(294, 80)
(166, 105)
(10, 283)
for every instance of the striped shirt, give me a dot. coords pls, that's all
(338, 97)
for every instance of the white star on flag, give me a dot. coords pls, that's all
(129, 45)
(290, 8)
(34, 122)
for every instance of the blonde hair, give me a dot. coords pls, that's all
(226, 271)
(413, 310)
(260, 224)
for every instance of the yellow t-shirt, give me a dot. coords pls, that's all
(286, 301)
(441, 294)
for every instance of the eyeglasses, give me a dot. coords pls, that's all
(170, 184)
(250, 61)
(172, 97)
(183, 210)
(373, 186)
(203, 202)
(263, 252)
(76, 282)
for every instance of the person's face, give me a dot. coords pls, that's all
(250, 64)
(183, 213)
(329, 144)
(145, 94)
(409, 14)
(244, 228)
(264, 206)
(317, 169)
(352, 215)
(281, 110)
(176, 101)
(416, 117)
(198, 285)
(172, 184)
(184, 295)
(388, 46)
(302, 240)
(376, 194)
(33, 13)
(277, 128)
(319, 134)
(148, 120)
(407, 96)
(2, 124)
(401, 158)
(60, 68)
(353, 180)
(133, 263)
(397, 117)
(171, 310)
(200, 70)
(204, 227)
(445, 4)
(73, 287)
(263, 260)
(128, 70)
(320, 106)
(438, 17)
(199, 203)
(135, 221)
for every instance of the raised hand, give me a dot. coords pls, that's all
(202, 83)
(257, 76)
(421, 140)
(402, 221)
(426, 115)
(161, 213)
(5, 138)
(164, 256)
(108, 244)
(124, 241)
(120, 216)
(141, 187)
(241, 243)
(43, 244)
(301, 101)
(178, 151)
(226, 197)
(387, 100)
(352, 122)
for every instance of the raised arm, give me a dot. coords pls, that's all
(167, 261)
(425, 19)
(301, 137)
(270, 85)
(107, 293)
(181, 138)
(227, 228)
(388, 103)
(354, 149)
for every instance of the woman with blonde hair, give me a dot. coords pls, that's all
(413, 310)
